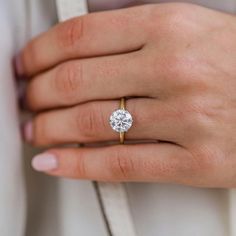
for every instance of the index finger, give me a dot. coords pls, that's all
(96, 34)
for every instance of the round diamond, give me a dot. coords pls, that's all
(121, 120)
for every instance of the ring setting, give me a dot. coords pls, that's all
(121, 120)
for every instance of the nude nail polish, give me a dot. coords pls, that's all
(45, 162)
(28, 131)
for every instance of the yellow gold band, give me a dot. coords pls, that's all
(122, 134)
(122, 137)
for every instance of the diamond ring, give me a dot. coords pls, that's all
(121, 120)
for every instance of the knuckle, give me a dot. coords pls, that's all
(90, 122)
(197, 113)
(180, 71)
(68, 79)
(138, 16)
(69, 33)
(186, 69)
(177, 66)
(172, 68)
(121, 163)
(175, 16)
(120, 22)
(173, 20)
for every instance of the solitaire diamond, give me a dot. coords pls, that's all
(121, 120)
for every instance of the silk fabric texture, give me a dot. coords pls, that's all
(32, 204)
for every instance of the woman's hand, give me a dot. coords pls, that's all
(177, 65)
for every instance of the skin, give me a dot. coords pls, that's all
(177, 65)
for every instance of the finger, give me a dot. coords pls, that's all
(142, 162)
(90, 79)
(152, 120)
(91, 35)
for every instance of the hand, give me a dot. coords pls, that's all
(177, 65)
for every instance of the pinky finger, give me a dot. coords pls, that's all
(162, 162)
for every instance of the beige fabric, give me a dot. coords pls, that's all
(12, 188)
(69, 9)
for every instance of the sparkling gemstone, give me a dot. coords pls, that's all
(121, 120)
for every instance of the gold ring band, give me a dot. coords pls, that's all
(122, 134)
(121, 120)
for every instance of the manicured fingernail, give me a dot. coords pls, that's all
(21, 88)
(19, 66)
(28, 131)
(45, 162)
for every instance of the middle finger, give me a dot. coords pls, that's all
(85, 80)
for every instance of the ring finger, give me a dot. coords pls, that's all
(152, 120)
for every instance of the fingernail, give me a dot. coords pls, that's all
(21, 88)
(45, 162)
(28, 131)
(19, 66)
(22, 104)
